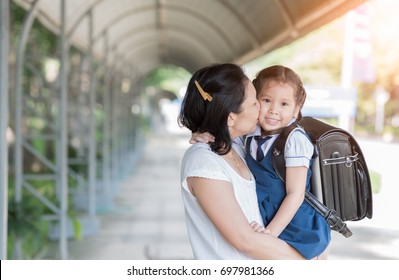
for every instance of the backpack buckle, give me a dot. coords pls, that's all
(347, 160)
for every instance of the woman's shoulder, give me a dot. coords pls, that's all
(200, 161)
(200, 153)
(199, 148)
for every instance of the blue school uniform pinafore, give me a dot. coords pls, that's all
(308, 232)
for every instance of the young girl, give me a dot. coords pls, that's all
(281, 95)
(285, 214)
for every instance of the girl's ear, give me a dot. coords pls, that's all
(296, 111)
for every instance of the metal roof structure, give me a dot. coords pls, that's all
(187, 33)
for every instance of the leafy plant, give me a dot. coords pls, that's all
(25, 224)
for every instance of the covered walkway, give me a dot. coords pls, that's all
(147, 219)
(73, 106)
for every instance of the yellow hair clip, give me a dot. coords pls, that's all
(203, 93)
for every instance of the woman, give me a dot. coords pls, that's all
(218, 189)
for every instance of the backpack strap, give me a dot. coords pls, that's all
(278, 149)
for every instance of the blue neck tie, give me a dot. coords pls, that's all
(259, 152)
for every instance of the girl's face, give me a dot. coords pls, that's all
(277, 105)
(245, 122)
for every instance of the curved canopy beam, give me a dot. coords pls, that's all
(223, 30)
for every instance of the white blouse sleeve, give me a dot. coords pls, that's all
(202, 162)
(298, 150)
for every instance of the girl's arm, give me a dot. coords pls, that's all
(295, 188)
(206, 138)
(218, 201)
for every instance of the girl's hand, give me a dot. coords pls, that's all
(204, 137)
(259, 228)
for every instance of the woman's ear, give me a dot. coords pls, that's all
(231, 119)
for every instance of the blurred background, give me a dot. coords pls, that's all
(91, 149)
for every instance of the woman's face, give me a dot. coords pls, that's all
(245, 122)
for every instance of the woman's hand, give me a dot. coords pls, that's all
(204, 137)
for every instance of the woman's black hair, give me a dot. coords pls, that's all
(226, 83)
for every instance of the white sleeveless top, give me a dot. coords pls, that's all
(206, 241)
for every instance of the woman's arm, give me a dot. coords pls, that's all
(217, 199)
(295, 189)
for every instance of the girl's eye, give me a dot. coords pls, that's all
(284, 104)
(267, 100)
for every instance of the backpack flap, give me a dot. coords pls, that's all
(338, 174)
(345, 180)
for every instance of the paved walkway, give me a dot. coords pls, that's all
(147, 220)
